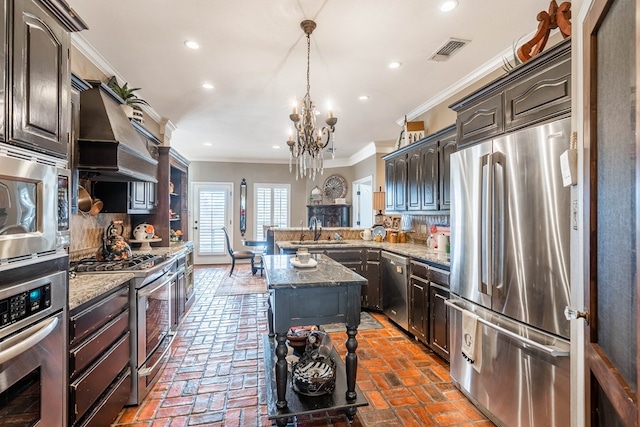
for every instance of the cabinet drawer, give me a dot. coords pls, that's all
(480, 121)
(92, 318)
(90, 350)
(439, 276)
(543, 95)
(373, 255)
(86, 389)
(111, 404)
(343, 256)
(420, 270)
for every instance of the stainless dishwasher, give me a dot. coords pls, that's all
(395, 279)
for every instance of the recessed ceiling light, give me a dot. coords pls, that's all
(277, 147)
(191, 44)
(394, 65)
(207, 85)
(448, 5)
(363, 97)
(208, 144)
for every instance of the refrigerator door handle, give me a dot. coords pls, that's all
(486, 255)
(552, 351)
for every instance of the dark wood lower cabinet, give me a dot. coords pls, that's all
(99, 354)
(439, 320)
(371, 295)
(419, 308)
(428, 314)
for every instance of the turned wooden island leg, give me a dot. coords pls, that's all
(270, 319)
(351, 362)
(281, 370)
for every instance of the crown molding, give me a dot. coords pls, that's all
(469, 79)
(85, 48)
(488, 67)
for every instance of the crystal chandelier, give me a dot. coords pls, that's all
(306, 146)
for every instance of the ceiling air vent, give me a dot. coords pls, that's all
(447, 50)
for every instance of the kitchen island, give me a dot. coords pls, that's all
(325, 293)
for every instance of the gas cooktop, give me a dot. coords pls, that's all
(136, 263)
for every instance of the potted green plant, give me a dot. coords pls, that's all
(132, 103)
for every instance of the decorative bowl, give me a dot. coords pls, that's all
(297, 339)
(313, 376)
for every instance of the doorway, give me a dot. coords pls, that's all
(611, 178)
(212, 209)
(362, 202)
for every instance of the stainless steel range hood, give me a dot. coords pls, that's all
(109, 147)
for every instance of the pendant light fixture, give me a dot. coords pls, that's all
(307, 142)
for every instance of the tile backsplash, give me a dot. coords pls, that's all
(420, 225)
(87, 232)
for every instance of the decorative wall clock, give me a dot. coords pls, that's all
(335, 187)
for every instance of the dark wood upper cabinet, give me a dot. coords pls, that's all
(484, 120)
(389, 173)
(447, 146)
(400, 183)
(534, 92)
(428, 181)
(396, 182)
(539, 96)
(37, 71)
(422, 178)
(417, 176)
(137, 197)
(3, 73)
(414, 169)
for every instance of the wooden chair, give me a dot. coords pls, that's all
(238, 254)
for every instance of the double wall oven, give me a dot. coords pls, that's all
(150, 314)
(34, 234)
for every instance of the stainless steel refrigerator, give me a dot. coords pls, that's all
(510, 231)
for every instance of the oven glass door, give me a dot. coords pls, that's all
(32, 376)
(155, 301)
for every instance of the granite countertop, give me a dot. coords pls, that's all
(280, 273)
(420, 252)
(85, 287)
(165, 250)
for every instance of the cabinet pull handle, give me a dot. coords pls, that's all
(553, 351)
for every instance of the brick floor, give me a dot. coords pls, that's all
(215, 376)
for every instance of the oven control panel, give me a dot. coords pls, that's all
(24, 304)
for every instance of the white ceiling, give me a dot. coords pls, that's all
(254, 53)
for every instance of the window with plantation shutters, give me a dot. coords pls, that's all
(211, 219)
(272, 206)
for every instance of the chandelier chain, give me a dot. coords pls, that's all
(308, 63)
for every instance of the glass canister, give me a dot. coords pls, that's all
(402, 237)
(393, 237)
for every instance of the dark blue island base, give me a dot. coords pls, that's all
(298, 404)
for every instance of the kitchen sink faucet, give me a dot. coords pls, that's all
(316, 226)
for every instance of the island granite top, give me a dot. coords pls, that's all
(280, 273)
